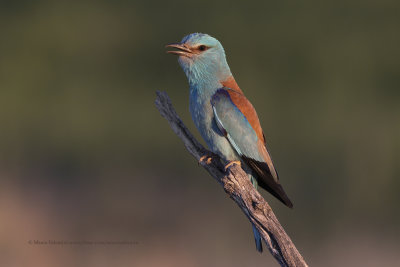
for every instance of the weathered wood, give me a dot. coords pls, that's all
(238, 186)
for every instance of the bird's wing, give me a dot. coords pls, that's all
(238, 121)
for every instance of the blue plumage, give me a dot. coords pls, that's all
(224, 117)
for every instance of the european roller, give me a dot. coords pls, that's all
(225, 118)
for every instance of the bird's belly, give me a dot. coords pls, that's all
(203, 117)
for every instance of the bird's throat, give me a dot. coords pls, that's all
(205, 74)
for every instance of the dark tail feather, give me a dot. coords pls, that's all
(267, 181)
(277, 191)
(257, 238)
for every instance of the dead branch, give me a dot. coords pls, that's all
(238, 186)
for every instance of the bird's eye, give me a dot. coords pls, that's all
(202, 47)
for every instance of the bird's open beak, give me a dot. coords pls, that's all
(183, 50)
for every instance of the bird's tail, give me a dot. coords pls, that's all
(257, 238)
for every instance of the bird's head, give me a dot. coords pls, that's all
(202, 58)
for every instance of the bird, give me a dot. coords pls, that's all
(225, 118)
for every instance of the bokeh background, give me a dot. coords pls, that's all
(84, 154)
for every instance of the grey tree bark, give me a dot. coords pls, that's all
(239, 188)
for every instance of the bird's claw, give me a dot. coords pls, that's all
(231, 163)
(205, 159)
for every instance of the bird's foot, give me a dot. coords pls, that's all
(206, 159)
(231, 163)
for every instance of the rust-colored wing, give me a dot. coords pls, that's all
(238, 120)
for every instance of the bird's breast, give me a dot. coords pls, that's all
(203, 117)
(201, 111)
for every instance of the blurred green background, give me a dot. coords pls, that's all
(85, 155)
